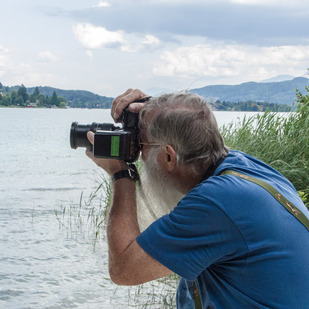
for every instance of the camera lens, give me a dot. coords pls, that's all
(78, 134)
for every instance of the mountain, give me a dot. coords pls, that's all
(270, 92)
(76, 98)
(279, 78)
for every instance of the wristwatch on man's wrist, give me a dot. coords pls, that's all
(131, 173)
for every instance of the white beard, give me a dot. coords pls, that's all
(156, 196)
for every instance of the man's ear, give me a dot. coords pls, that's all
(170, 158)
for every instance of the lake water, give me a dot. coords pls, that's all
(50, 255)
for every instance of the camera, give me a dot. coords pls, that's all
(110, 141)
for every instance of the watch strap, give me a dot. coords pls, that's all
(131, 172)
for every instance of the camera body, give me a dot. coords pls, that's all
(110, 141)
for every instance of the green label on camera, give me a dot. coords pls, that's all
(115, 146)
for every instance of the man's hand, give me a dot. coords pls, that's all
(111, 166)
(122, 101)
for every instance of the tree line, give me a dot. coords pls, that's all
(13, 96)
(22, 98)
(250, 106)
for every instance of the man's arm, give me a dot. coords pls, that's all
(129, 264)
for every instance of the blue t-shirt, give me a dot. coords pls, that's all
(240, 245)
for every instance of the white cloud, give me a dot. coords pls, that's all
(46, 55)
(253, 2)
(3, 52)
(135, 43)
(278, 3)
(3, 59)
(96, 37)
(89, 53)
(102, 4)
(184, 2)
(151, 41)
(93, 37)
(244, 2)
(233, 61)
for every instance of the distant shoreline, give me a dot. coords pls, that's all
(68, 107)
(31, 107)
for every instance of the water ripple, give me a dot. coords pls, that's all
(42, 189)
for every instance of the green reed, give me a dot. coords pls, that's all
(88, 215)
(280, 140)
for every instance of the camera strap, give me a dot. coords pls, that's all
(289, 206)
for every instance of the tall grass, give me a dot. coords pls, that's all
(280, 140)
(87, 216)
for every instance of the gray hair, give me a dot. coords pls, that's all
(186, 122)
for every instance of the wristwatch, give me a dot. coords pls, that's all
(131, 172)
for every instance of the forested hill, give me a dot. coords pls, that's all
(275, 92)
(281, 93)
(249, 96)
(77, 98)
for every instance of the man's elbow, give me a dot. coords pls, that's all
(122, 276)
(117, 278)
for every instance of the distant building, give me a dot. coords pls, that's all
(29, 105)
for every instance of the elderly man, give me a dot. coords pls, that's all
(238, 236)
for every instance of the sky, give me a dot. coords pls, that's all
(108, 46)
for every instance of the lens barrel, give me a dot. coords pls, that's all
(78, 134)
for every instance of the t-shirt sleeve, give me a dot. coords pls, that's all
(193, 236)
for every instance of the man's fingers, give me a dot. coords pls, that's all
(90, 136)
(136, 107)
(121, 102)
(118, 99)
